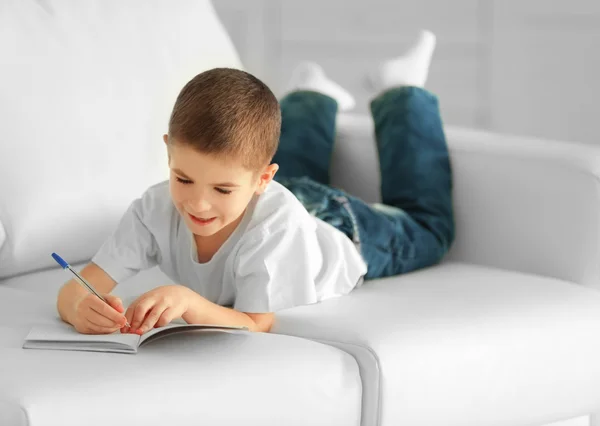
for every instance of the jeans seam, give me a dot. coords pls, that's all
(355, 234)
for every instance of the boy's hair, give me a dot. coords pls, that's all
(228, 112)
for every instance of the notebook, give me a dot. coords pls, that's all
(64, 337)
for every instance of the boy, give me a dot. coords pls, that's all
(242, 245)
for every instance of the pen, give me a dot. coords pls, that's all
(79, 278)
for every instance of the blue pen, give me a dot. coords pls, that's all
(79, 278)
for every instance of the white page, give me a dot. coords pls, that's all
(180, 327)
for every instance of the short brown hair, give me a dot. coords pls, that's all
(228, 112)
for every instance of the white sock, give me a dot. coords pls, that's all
(310, 76)
(410, 69)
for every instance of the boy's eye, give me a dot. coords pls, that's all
(184, 181)
(223, 191)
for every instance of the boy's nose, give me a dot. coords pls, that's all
(199, 206)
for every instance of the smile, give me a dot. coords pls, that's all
(201, 221)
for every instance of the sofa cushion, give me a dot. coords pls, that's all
(213, 378)
(86, 91)
(459, 344)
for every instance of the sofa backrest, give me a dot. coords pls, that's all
(86, 89)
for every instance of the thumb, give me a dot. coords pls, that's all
(115, 302)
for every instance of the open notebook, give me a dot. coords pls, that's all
(64, 337)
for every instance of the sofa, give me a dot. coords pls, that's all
(504, 331)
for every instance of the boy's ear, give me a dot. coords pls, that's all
(266, 177)
(166, 138)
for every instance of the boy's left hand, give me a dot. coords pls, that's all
(157, 308)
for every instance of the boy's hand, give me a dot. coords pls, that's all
(157, 308)
(92, 316)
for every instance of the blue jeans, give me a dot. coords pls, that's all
(414, 226)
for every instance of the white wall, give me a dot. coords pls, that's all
(515, 66)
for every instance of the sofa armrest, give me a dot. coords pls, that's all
(521, 203)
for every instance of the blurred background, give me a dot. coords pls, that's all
(528, 67)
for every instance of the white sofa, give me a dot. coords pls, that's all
(504, 332)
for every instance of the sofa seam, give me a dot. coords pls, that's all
(25, 415)
(377, 364)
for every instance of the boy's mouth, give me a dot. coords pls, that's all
(201, 221)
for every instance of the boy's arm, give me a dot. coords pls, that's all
(130, 248)
(203, 311)
(72, 291)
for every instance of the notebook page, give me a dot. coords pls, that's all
(174, 328)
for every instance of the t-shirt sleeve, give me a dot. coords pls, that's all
(277, 270)
(131, 247)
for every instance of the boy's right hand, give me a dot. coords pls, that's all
(92, 316)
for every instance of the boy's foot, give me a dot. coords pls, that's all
(410, 69)
(310, 76)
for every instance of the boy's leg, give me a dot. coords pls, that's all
(307, 137)
(416, 178)
(392, 240)
(308, 114)
(415, 167)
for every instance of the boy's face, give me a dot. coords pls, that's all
(210, 193)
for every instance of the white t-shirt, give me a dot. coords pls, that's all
(278, 257)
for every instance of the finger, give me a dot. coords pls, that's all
(140, 312)
(91, 328)
(115, 302)
(153, 316)
(105, 310)
(167, 316)
(129, 315)
(100, 320)
(120, 320)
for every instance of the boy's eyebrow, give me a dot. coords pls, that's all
(226, 184)
(180, 173)
(223, 184)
